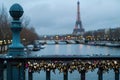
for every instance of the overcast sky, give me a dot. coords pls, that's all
(59, 16)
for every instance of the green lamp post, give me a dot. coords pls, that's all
(15, 67)
(16, 48)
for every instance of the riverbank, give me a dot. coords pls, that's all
(3, 49)
(104, 43)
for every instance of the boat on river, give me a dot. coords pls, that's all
(30, 47)
(42, 46)
(101, 43)
(92, 43)
(112, 44)
(36, 47)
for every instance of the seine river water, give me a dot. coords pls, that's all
(76, 49)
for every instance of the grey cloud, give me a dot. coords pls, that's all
(59, 16)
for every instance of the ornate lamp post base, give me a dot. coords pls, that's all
(16, 48)
(15, 69)
(16, 52)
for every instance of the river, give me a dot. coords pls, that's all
(76, 49)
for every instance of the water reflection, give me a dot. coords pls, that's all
(77, 49)
(68, 49)
(80, 46)
(57, 49)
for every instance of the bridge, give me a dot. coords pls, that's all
(17, 63)
(61, 41)
(65, 65)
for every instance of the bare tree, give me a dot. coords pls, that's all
(4, 24)
(25, 21)
(28, 33)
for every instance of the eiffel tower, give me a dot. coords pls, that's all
(78, 30)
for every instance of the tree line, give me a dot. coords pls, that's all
(28, 34)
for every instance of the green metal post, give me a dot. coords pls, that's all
(30, 75)
(83, 75)
(16, 48)
(1, 70)
(100, 74)
(15, 71)
(47, 75)
(65, 75)
(116, 74)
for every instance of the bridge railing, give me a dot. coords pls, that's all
(64, 64)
